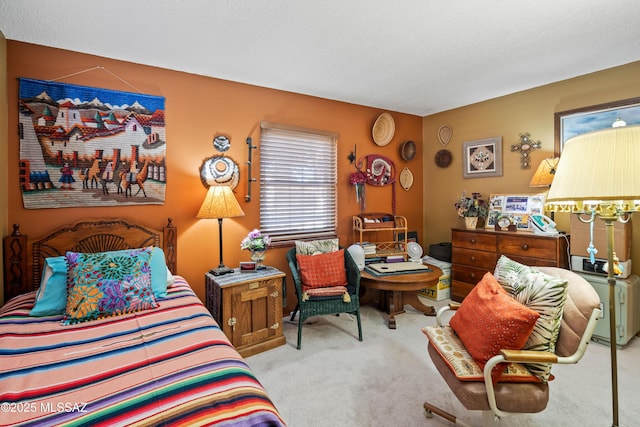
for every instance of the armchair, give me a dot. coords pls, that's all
(322, 305)
(579, 317)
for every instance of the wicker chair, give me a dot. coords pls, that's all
(318, 306)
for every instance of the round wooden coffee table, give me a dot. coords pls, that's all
(396, 290)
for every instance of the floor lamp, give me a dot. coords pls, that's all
(220, 203)
(598, 177)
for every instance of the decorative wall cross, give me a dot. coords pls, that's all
(525, 146)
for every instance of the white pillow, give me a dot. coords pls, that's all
(315, 247)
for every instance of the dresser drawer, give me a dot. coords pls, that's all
(474, 258)
(472, 275)
(534, 262)
(474, 240)
(528, 246)
(459, 290)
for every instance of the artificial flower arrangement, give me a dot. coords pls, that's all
(255, 241)
(474, 206)
(357, 177)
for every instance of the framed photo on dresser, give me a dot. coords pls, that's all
(518, 207)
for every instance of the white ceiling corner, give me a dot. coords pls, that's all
(410, 56)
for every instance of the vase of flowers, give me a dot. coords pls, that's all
(358, 179)
(472, 208)
(257, 243)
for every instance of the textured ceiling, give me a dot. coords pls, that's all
(412, 56)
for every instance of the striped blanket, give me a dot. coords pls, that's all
(167, 366)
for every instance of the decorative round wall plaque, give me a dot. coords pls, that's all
(443, 158)
(221, 143)
(408, 150)
(219, 170)
(406, 179)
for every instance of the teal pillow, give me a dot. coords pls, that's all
(108, 284)
(51, 298)
(158, 273)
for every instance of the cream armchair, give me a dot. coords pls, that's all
(580, 314)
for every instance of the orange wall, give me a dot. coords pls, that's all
(197, 108)
(4, 226)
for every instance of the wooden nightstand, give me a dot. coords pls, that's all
(248, 308)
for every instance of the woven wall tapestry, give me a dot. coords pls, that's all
(83, 146)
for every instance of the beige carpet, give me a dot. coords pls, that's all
(335, 380)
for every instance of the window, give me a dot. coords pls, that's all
(298, 183)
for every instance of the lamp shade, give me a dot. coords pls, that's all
(598, 171)
(220, 203)
(545, 173)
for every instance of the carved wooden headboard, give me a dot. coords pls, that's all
(24, 258)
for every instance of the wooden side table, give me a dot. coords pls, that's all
(398, 290)
(248, 308)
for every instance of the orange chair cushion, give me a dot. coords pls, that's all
(322, 270)
(490, 320)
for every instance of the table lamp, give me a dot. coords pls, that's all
(545, 173)
(598, 176)
(220, 203)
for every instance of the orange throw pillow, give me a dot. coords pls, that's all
(322, 270)
(490, 320)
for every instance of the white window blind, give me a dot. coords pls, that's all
(298, 179)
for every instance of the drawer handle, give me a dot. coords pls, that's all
(473, 258)
(472, 275)
(472, 241)
(525, 247)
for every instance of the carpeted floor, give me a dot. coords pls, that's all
(335, 380)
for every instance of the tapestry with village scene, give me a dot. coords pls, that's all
(82, 146)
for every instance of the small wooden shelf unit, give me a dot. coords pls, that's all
(391, 244)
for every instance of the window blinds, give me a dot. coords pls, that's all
(298, 183)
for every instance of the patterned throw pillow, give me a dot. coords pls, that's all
(323, 270)
(543, 293)
(107, 284)
(458, 359)
(490, 320)
(315, 247)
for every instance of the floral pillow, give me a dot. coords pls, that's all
(541, 292)
(108, 284)
(315, 247)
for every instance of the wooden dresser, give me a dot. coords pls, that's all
(474, 252)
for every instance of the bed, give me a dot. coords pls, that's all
(165, 364)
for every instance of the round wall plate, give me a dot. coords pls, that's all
(408, 150)
(221, 143)
(219, 170)
(383, 129)
(443, 158)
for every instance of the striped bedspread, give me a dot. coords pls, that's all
(167, 366)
